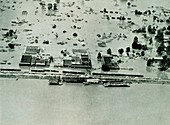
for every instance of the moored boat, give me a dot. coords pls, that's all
(92, 81)
(116, 84)
(55, 82)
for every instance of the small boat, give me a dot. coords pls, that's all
(86, 83)
(91, 81)
(116, 84)
(55, 82)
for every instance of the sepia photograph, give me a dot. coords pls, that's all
(84, 62)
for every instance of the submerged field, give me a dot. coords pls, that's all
(35, 24)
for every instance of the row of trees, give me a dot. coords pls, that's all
(121, 51)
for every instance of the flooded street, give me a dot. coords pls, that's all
(34, 102)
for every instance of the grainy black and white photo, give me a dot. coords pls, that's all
(84, 62)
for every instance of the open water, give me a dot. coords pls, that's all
(34, 102)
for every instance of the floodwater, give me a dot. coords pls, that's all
(41, 26)
(34, 102)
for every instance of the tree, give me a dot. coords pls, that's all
(151, 30)
(149, 62)
(168, 62)
(164, 64)
(159, 36)
(143, 29)
(127, 51)
(128, 3)
(62, 52)
(160, 49)
(56, 35)
(11, 45)
(144, 47)
(99, 56)
(135, 40)
(168, 28)
(121, 51)
(143, 53)
(167, 32)
(135, 44)
(137, 12)
(168, 50)
(109, 51)
(150, 41)
(105, 67)
(11, 33)
(51, 59)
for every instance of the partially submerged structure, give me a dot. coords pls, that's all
(33, 57)
(79, 59)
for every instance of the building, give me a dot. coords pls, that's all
(109, 61)
(40, 62)
(33, 57)
(81, 61)
(85, 59)
(67, 62)
(157, 59)
(25, 60)
(32, 50)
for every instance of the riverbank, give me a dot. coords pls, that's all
(70, 78)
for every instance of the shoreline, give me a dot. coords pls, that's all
(69, 78)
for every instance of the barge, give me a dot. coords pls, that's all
(91, 81)
(116, 84)
(55, 82)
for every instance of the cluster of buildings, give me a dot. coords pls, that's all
(33, 57)
(109, 62)
(79, 59)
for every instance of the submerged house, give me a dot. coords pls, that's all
(25, 60)
(32, 50)
(110, 63)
